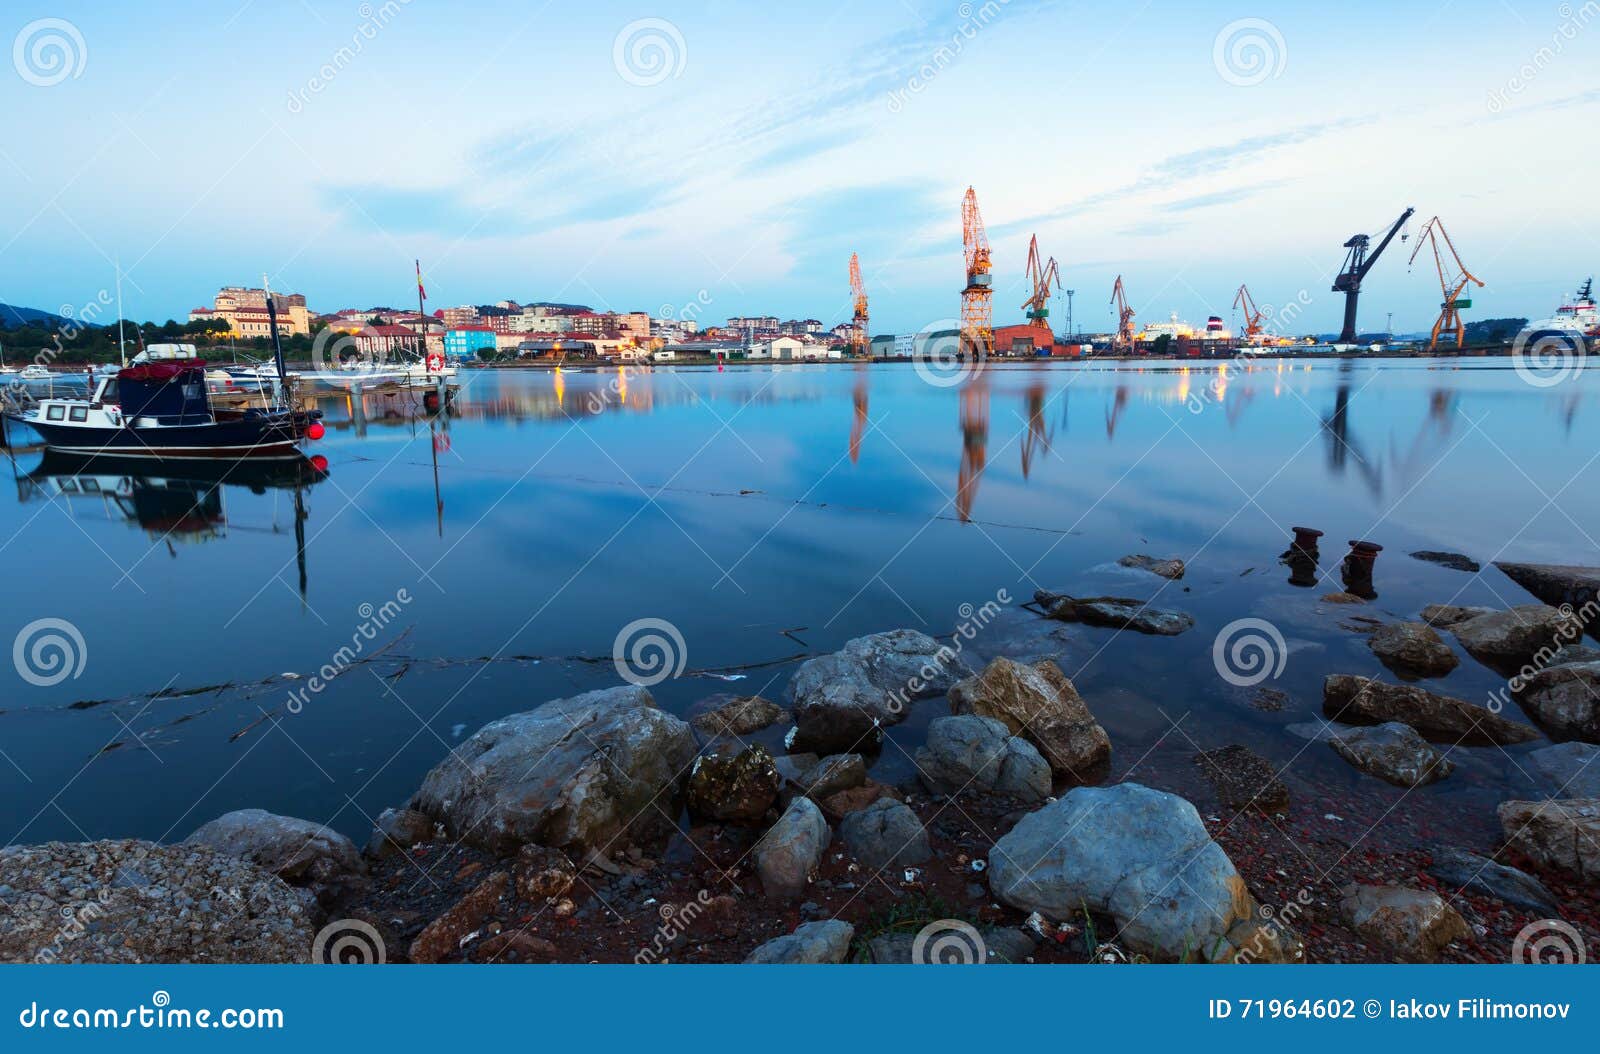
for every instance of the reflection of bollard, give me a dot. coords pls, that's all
(1358, 568)
(1302, 567)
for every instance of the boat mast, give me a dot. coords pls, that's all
(277, 346)
(122, 347)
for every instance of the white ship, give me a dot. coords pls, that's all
(1574, 321)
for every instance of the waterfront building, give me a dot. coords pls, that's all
(464, 342)
(245, 311)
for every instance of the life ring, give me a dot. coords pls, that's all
(435, 362)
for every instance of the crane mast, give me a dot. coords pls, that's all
(977, 307)
(1252, 314)
(1040, 278)
(1119, 299)
(1451, 282)
(860, 341)
(1356, 265)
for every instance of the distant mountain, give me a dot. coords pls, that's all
(12, 317)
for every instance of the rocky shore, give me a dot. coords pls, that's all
(599, 827)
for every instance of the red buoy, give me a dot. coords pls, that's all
(315, 430)
(319, 462)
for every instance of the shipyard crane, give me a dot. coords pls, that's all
(1119, 299)
(1451, 283)
(1252, 314)
(977, 308)
(1356, 265)
(1040, 277)
(860, 341)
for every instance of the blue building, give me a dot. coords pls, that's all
(464, 343)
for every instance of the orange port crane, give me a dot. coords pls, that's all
(860, 341)
(1040, 276)
(977, 307)
(1451, 282)
(1252, 314)
(1119, 299)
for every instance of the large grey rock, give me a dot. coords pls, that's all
(574, 774)
(1415, 924)
(886, 834)
(1115, 612)
(303, 854)
(1141, 856)
(843, 700)
(1563, 833)
(814, 942)
(1555, 584)
(792, 848)
(1464, 870)
(129, 902)
(1039, 703)
(1564, 700)
(1412, 648)
(1516, 637)
(834, 773)
(1571, 770)
(967, 752)
(1394, 753)
(1440, 718)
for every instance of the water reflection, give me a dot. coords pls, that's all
(974, 442)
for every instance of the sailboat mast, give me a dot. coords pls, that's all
(422, 311)
(122, 347)
(277, 345)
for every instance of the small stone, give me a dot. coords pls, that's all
(1367, 701)
(1394, 753)
(1170, 569)
(543, 873)
(514, 946)
(1417, 925)
(446, 934)
(813, 942)
(1563, 833)
(1244, 779)
(791, 849)
(1464, 870)
(1413, 648)
(1454, 561)
(733, 788)
(739, 717)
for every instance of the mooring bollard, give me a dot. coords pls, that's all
(1358, 568)
(1305, 538)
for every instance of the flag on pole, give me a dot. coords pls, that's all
(420, 290)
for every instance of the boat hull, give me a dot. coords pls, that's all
(245, 437)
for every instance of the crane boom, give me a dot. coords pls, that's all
(1451, 282)
(1040, 277)
(1357, 263)
(1119, 299)
(1252, 314)
(860, 341)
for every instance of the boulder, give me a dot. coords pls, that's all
(1244, 779)
(1562, 833)
(792, 768)
(1564, 700)
(740, 716)
(1394, 753)
(1115, 612)
(449, 933)
(397, 830)
(304, 854)
(1446, 615)
(967, 752)
(813, 942)
(840, 804)
(1508, 639)
(127, 901)
(1040, 704)
(886, 834)
(1262, 939)
(1571, 770)
(1417, 925)
(1141, 856)
(1171, 569)
(1464, 870)
(574, 774)
(1412, 648)
(843, 700)
(1555, 584)
(791, 849)
(732, 788)
(1454, 561)
(1574, 653)
(1366, 701)
(834, 773)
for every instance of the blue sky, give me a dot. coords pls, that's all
(648, 156)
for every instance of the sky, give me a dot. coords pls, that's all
(716, 159)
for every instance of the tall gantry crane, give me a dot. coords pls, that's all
(1451, 283)
(1252, 314)
(1356, 265)
(1119, 299)
(1040, 277)
(977, 307)
(860, 341)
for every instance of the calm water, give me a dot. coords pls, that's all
(548, 511)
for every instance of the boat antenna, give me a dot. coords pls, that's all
(277, 345)
(122, 347)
